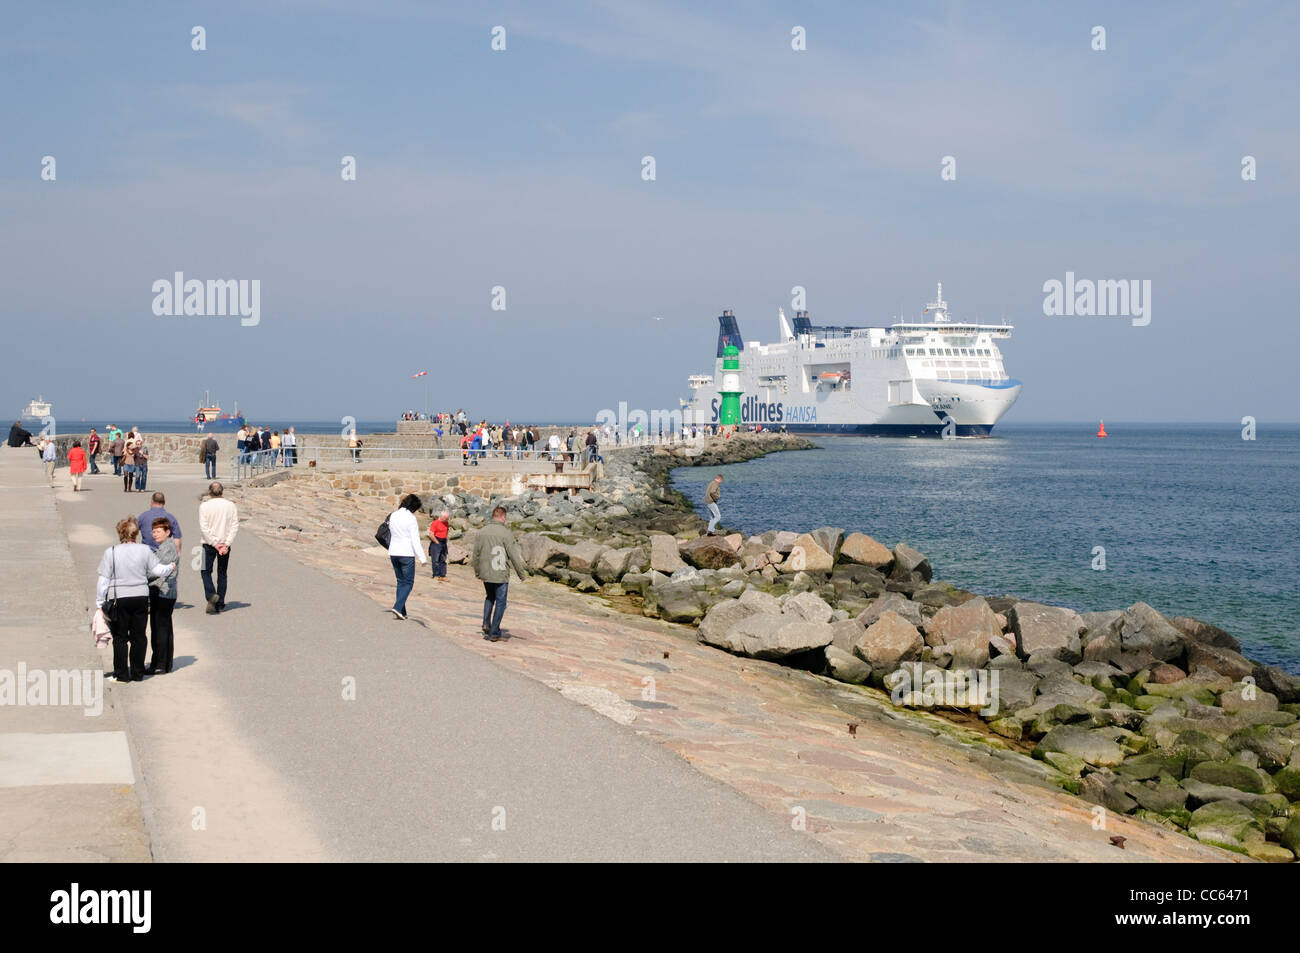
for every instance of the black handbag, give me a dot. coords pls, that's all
(384, 535)
(110, 605)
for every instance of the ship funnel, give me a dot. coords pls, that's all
(728, 333)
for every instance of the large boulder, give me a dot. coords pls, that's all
(1047, 629)
(1101, 637)
(1272, 679)
(1145, 629)
(888, 642)
(773, 637)
(967, 627)
(613, 563)
(909, 563)
(1093, 748)
(584, 555)
(807, 606)
(761, 601)
(862, 549)
(1223, 660)
(708, 552)
(1204, 633)
(675, 601)
(664, 556)
(846, 667)
(829, 538)
(807, 555)
(719, 619)
(540, 551)
(783, 541)
(891, 602)
(1225, 824)
(1014, 690)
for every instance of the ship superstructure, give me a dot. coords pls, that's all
(927, 378)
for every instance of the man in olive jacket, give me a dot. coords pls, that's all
(494, 547)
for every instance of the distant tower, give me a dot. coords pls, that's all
(729, 413)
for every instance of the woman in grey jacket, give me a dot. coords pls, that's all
(124, 572)
(162, 599)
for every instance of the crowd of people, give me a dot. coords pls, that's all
(259, 445)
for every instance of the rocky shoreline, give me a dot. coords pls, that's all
(1160, 718)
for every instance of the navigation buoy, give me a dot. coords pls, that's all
(1101, 431)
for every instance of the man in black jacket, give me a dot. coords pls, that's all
(18, 437)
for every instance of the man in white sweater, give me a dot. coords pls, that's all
(218, 524)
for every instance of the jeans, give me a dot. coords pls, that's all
(494, 605)
(94, 467)
(404, 570)
(160, 625)
(713, 508)
(210, 555)
(210, 466)
(141, 475)
(117, 465)
(129, 639)
(438, 557)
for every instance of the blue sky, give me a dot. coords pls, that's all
(521, 168)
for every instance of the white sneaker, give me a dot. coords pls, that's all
(397, 614)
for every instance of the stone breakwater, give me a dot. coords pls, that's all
(1160, 718)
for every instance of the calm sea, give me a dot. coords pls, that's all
(1193, 519)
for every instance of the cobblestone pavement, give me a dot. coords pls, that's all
(903, 787)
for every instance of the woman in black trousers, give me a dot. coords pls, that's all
(123, 594)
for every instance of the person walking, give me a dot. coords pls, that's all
(49, 456)
(162, 595)
(290, 441)
(92, 450)
(275, 449)
(354, 445)
(141, 466)
(438, 530)
(218, 524)
(116, 449)
(210, 448)
(76, 465)
(122, 592)
(156, 511)
(404, 548)
(241, 444)
(494, 547)
(711, 496)
(128, 465)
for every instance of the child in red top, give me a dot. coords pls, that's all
(438, 545)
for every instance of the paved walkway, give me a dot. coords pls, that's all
(67, 785)
(904, 787)
(305, 723)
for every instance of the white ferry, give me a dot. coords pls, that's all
(36, 413)
(928, 378)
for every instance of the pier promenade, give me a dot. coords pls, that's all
(305, 723)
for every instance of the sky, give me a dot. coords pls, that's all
(522, 169)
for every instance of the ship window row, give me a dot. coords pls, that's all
(950, 351)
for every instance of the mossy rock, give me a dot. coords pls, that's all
(1151, 702)
(1170, 821)
(1229, 775)
(1144, 767)
(1268, 853)
(1277, 719)
(1287, 782)
(1224, 824)
(1163, 796)
(1185, 689)
(1007, 728)
(1066, 763)
(1290, 837)
(1125, 696)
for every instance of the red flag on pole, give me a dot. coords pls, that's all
(421, 374)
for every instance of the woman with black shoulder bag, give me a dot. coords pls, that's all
(123, 595)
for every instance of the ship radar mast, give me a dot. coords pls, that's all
(938, 307)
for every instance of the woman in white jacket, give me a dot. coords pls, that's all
(124, 574)
(404, 548)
